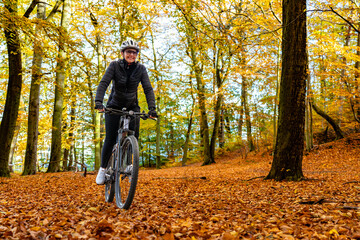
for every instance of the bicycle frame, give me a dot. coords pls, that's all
(123, 132)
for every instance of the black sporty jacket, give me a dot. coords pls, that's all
(125, 84)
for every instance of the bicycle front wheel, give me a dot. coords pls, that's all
(127, 171)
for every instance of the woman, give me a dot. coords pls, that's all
(126, 74)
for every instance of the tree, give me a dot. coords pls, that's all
(287, 161)
(196, 53)
(245, 104)
(221, 67)
(189, 126)
(55, 157)
(157, 77)
(10, 115)
(33, 117)
(98, 47)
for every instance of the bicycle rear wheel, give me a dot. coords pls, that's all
(110, 177)
(127, 171)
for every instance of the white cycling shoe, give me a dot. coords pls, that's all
(100, 178)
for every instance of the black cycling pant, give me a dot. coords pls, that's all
(111, 127)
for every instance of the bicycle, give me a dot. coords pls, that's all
(122, 170)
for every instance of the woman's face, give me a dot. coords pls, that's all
(130, 55)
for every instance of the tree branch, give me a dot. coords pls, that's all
(347, 21)
(31, 8)
(55, 9)
(339, 133)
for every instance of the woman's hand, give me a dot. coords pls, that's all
(152, 113)
(99, 106)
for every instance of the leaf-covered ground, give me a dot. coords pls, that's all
(178, 203)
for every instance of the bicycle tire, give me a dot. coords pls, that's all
(127, 170)
(109, 177)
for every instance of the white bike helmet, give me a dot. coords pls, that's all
(129, 44)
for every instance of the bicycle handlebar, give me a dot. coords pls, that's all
(124, 112)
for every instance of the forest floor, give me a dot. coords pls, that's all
(226, 200)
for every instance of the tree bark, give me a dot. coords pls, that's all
(335, 126)
(357, 82)
(187, 137)
(355, 103)
(241, 121)
(55, 157)
(308, 119)
(203, 120)
(227, 122)
(250, 141)
(200, 87)
(276, 100)
(33, 117)
(13, 145)
(13, 94)
(217, 110)
(222, 129)
(96, 114)
(158, 100)
(195, 52)
(71, 132)
(287, 161)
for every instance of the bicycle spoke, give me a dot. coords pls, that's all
(127, 174)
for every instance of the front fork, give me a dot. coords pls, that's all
(110, 172)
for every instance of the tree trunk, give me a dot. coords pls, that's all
(194, 52)
(187, 136)
(71, 158)
(100, 69)
(171, 154)
(355, 100)
(227, 122)
(188, 132)
(204, 126)
(308, 119)
(96, 118)
(276, 100)
(335, 126)
(55, 157)
(287, 161)
(74, 158)
(217, 111)
(33, 118)
(220, 62)
(247, 114)
(82, 155)
(222, 129)
(66, 159)
(13, 146)
(308, 127)
(96, 115)
(13, 94)
(71, 131)
(203, 121)
(240, 121)
(158, 100)
(158, 140)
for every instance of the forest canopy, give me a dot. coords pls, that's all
(214, 65)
